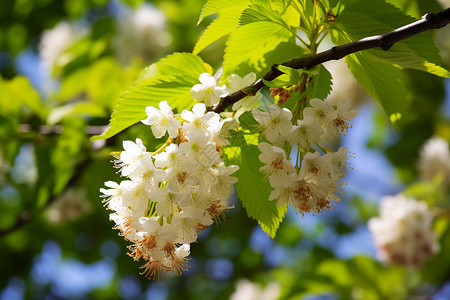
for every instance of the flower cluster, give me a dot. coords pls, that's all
(313, 182)
(210, 92)
(174, 193)
(435, 160)
(54, 42)
(245, 289)
(71, 205)
(141, 32)
(403, 233)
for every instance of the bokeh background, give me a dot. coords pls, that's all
(64, 63)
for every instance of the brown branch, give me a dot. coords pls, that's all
(384, 41)
(57, 129)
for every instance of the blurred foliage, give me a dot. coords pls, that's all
(45, 151)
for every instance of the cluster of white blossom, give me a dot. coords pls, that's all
(173, 193)
(141, 32)
(435, 159)
(71, 205)
(403, 233)
(314, 181)
(247, 290)
(54, 42)
(209, 91)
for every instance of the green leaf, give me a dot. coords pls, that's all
(223, 25)
(103, 81)
(368, 18)
(107, 80)
(384, 83)
(289, 76)
(183, 65)
(251, 187)
(261, 65)
(77, 110)
(249, 43)
(19, 91)
(68, 151)
(416, 8)
(267, 13)
(214, 6)
(321, 85)
(176, 74)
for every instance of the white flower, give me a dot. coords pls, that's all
(198, 121)
(114, 195)
(247, 290)
(69, 206)
(188, 224)
(146, 172)
(314, 167)
(320, 111)
(128, 158)
(222, 135)
(275, 123)
(56, 41)
(162, 120)
(173, 161)
(306, 133)
(403, 232)
(208, 91)
(275, 161)
(337, 162)
(236, 82)
(434, 159)
(224, 180)
(200, 149)
(340, 123)
(284, 192)
(247, 103)
(141, 32)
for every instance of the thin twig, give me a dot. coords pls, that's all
(57, 129)
(384, 41)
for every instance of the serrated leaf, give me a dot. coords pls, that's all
(416, 8)
(249, 43)
(252, 190)
(384, 82)
(182, 64)
(277, 12)
(248, 122)
(176, 74)
(223, 25)
(368, 18)
(258, 13)
(214, 6)
(321, 86)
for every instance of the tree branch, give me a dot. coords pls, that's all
(384, 41)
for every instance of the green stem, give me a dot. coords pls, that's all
(321, 38)
(297, 112)
(162, 148)
(301, 40)
(321, 148)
